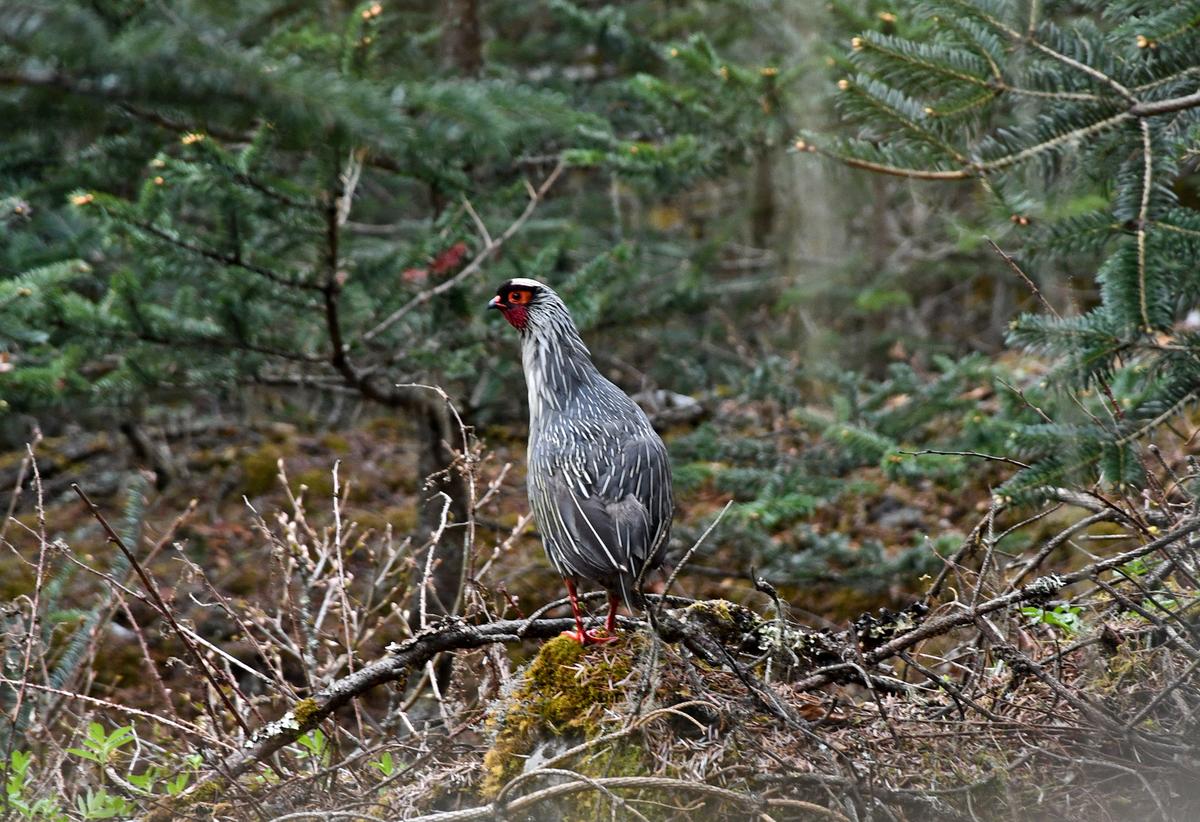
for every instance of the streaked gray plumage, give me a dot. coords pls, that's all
(599, 479)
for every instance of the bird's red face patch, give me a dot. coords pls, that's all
(513, 303)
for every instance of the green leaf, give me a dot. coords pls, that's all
(1062, 617)
(385, 764)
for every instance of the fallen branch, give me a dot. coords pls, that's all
(1041, 588)
(495, 810)
(447, 634)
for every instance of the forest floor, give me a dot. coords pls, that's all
(971, 695)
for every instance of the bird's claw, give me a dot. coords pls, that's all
(588, 637)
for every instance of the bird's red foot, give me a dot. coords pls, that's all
(588, 637)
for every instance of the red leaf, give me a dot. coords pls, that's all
(449, 259)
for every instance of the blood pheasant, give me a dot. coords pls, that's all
(599, 480)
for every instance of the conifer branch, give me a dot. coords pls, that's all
(1071, 96)
(868, 92)
(231, 260)
(871, 43)
(1178, 229)
(1080, 133)
(331, 290)
(1169, 106)
(1149, 425)
(1024, 277)
(883, 168)
(1029, 38)
(1170, 78)
(162, 121)
(976, 454)
(1094, 73)
(189, 342)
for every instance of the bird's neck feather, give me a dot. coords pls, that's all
(557, 365)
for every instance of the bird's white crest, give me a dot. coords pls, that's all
(525, 282)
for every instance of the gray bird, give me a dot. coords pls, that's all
(599, 480)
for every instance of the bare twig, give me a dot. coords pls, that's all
(633, 782)
(1025, 278)
(163, 609)
(990, 457)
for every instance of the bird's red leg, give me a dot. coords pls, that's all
(579, 634)
(610, 624)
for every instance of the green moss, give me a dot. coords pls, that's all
(565, 691)
(304, 711)
(11, 460)
(402, 518)
(207, 800)
(388, 426)
(622, 758)
(175, 807)
(318, 481)
(260, 469)
(724, 619)
(335, 443)
(123, 662)
(401, 476)
(15, 577)
(281, 432)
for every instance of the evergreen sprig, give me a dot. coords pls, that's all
(1038, 100)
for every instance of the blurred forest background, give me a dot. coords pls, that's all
(911, 286)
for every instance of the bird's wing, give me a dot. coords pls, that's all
(608, 509)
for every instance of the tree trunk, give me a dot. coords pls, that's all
(462, 45)
(762, 209)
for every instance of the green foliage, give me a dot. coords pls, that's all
(1041, 106)
(148, 780)
(252, 207)
(385, 764)
(100, 804)
(1064, 618)
(100, 746)
(19, 788)
(314, 746)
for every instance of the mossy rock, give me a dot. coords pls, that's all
(260, 469)
(404, 519)
(389, 426)
(15, 577)
(318, 483)
(563, 698)
(401, 476)
(336, 443)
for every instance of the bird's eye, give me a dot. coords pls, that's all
(519, 297)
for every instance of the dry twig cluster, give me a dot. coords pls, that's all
(1056, 677)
